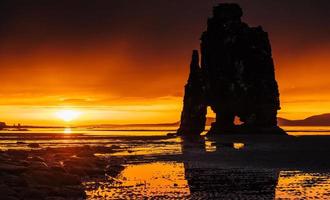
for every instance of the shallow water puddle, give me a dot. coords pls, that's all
(238, 146)
(159, 179)
(210, 147)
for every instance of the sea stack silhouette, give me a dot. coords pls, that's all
(235, 77)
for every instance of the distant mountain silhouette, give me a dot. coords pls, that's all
(316, 120)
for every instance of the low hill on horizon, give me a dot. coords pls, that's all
(315, 120)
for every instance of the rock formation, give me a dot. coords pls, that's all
(236, 78)
(193, 116)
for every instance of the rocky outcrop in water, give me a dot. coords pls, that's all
(236, 78)
(193, 116)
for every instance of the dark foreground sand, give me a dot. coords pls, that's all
(53, 173)
(226, 167)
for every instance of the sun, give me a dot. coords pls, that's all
(68, 115)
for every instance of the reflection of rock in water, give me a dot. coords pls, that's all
(211, 180)
(230, 183)
(236, 78)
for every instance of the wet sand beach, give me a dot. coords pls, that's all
(78, 166)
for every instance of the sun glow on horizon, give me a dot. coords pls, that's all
(68, 115)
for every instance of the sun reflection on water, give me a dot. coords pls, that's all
(67, 130)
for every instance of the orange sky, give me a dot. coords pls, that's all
(115, 62)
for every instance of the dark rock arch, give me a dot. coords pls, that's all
(235, 77)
